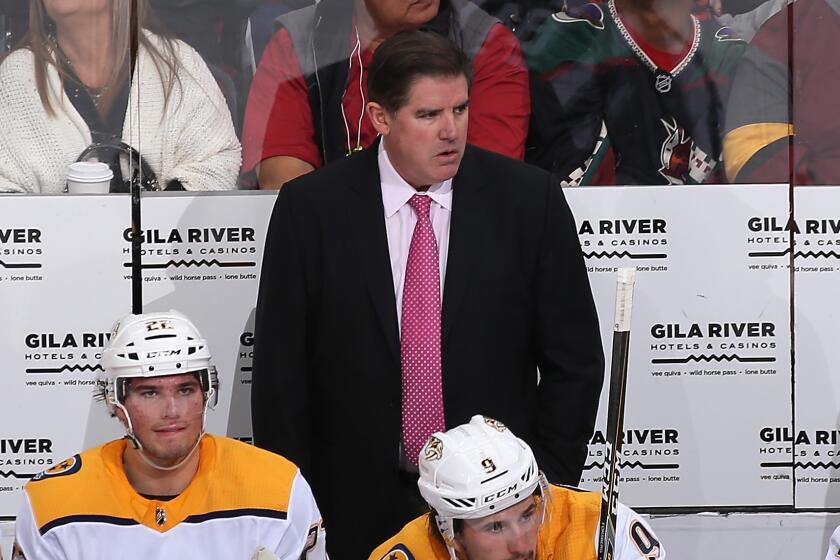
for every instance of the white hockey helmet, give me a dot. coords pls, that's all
(475, 470)
(154, 345)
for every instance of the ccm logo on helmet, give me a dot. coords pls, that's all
(500, 494)
(163, 353)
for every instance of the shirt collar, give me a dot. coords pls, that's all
(396, 192)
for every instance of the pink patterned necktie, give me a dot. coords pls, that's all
(422, 387)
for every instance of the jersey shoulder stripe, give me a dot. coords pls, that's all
(231, 513)
(106, 519)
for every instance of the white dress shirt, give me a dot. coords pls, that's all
(400, 220)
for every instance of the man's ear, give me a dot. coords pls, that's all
(380, 118)
(460, 551)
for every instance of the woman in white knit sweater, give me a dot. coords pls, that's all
(68, 86)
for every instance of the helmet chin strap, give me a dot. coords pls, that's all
(137, 444)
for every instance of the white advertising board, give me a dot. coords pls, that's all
(709, 365)
(709, 406)
(814, 438)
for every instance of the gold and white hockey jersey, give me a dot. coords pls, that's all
(569, 532)
(834, 546)
(240, 499)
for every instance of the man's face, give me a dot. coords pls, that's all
(425, 138)
(167, 414)
(395, 15)
(510, 534)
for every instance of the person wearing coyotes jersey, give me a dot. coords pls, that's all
(167, 489)
(490, 501)
(633, 86)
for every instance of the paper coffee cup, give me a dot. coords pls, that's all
(89, 177)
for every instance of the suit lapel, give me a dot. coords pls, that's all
(367, 223)
(466, 232)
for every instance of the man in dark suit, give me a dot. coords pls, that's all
(357, 355)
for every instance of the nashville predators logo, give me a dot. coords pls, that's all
(495, 424)
(67, 466)
(399, 552)
(488, 465)
(433, 450)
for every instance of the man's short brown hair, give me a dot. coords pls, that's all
(408, 56)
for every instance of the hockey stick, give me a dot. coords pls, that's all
(135, 186)
(615, 412)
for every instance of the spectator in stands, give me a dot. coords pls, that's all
(630, 92)
(217, 30)
(262, 21)
(306, 105)
(770, 137)
(68, 85)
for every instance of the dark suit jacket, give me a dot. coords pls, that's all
(327, 381)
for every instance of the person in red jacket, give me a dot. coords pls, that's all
(307, 102)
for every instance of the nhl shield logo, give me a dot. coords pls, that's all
(160, 516)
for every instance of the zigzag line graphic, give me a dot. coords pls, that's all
(66, 367)
(632, 465)
(20, 265)
(619, 254)
(817, 465)
(710, 358)
(9, 474)
(195, 263)
(816, 254)
(802, 254)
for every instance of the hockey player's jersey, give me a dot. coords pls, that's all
(569, 532)
(834, 546)
(241, 498)
(594, 88)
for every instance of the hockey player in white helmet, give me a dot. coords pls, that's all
(488, 500)
(167, 489)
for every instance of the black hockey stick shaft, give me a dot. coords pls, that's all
(615, 412)
(135, 186)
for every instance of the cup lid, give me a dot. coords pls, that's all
(89, 172)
